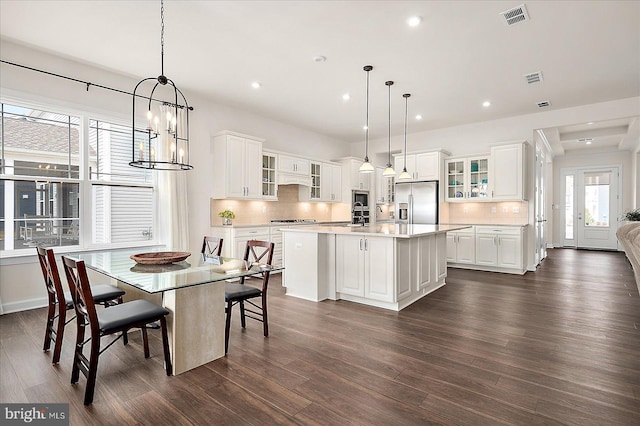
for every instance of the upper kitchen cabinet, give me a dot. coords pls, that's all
(326, 183)
(331, 186)
(385, 187)
(237, 166)
(294, 170)
(352, 179)
(269, 181)
(422, 165)
(467, 179)
(296, 165)
(508, 171)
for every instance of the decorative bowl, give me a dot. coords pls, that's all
(160, 257)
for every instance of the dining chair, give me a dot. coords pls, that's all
(211, 246)
(116, 319)
(62, 301)
(236, 294)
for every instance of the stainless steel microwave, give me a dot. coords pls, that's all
(361, 197)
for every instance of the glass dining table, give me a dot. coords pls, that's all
(193, 290)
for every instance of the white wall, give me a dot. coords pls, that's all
(207, 119)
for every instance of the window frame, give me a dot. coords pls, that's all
(85, 184)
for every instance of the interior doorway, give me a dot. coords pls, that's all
(590, 214)
(540, 215)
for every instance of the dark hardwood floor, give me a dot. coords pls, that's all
(558, 346)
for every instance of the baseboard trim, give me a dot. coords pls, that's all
(23, 305)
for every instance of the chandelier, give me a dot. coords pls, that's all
(164, 143)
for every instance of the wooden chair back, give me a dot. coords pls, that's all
(78, 280)
(259, 252)
(211, 246)
(51, 277)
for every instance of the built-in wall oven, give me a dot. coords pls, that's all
(359, 206)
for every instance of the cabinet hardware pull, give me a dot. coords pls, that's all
(360, 244)
(366, 244)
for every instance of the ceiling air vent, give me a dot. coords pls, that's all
(534, 77)
(515, 15)
(543, 104)
(586, 140)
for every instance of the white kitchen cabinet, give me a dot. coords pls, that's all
(237, 166)
(385, 187)
(326, 183)
(269, 182)
(508, 169)
(422, 165)
(235, 239)
(331, 185)
(461, 246)
(364, 267)
(317, 181)
(295, 165)
(500, 246)
(379, 179)
(275, 236)
(467, 179)
(352, 179)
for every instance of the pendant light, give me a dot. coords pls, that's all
(405, 175)
(366, 166)
(164, 144)
(389, 172)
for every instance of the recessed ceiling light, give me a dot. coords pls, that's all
(364, 127)
(418, 117)
(590, 123)
(486, 104)
(319, 58)
(588, 142)
(346, 97)
(256, 85)
(414, 21)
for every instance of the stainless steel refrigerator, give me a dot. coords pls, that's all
(417, 202)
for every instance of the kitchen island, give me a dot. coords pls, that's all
(386, 265)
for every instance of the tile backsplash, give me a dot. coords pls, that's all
(504, 213)
(287, 207)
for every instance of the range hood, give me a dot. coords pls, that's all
(293, 179)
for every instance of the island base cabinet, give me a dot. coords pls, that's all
(385, 272)
(364, 267)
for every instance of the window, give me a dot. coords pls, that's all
(122, 196)
(46, 159)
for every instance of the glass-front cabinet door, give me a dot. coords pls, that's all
(269, 184)
(456, 179)
(315, 181)
(478, 178)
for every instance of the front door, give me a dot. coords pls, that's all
(591, 207)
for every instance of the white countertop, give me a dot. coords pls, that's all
(382, 230)
(259, 225)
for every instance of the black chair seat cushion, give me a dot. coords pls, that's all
(118, 316)
(101, 293)
(240, 291)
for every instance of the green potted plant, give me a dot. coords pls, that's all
(226, 216)
(632, 216)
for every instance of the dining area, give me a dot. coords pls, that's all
(185, 300)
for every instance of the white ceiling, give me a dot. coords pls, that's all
(461, 54)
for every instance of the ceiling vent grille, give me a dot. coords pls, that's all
(543, 104)
(515, 15)
(534, 77)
